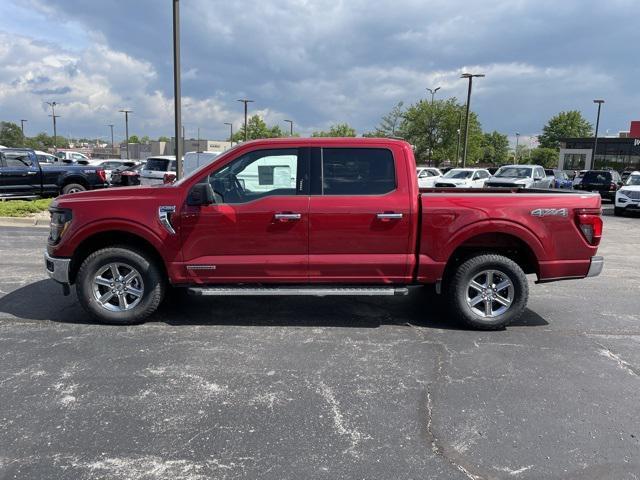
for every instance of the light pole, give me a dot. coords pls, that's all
(55, 131)
(176, 87)
(459, 131)
(515, 155)
(230, 133)
(470, 76)
(126, 127)
(595, 143)
(290, 122)
(111, 126)
(245, 101)
(22, 125)
(433, 92)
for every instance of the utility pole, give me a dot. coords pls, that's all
(112, 150)
(290, 122)
(470, 76)
(55, 131)
(515, 155)
(183, 139)
(22, 125)
(230, 133)
(179, 149)
(595, 143)
(126, 127)
(245, 101)
(459, 137)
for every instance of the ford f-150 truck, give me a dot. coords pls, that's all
(319, 217)
(22, 175)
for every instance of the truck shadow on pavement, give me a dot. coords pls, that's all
(43, 300)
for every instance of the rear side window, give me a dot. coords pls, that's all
(357, 171)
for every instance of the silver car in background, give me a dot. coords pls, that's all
(156, 168)
(520, 176)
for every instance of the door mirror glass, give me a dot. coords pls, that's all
(200, 195)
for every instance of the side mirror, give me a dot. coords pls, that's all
(200, 195)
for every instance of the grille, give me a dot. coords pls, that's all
(634, 195)
(440, 184)
(508, 185)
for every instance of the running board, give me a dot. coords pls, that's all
(298, 291)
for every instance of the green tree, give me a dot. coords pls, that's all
(564, 125)
(547, 157)
(11, 135)
(495, 148)
(337, 130)
(145, 139)
(432, 128)
(256, 129)
(134, 139)
(390, 124)
(43, 141)
(164, 139)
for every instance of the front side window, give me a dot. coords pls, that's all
(357, 171)
(257, 174)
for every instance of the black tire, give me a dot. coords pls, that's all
(152, 282)
(73, 188)
(618, 211)
(458, 286)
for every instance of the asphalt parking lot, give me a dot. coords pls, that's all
(293, 388)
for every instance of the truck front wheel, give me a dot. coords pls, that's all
(120, 286)
(488, 292)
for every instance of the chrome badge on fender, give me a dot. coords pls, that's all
(550, 212)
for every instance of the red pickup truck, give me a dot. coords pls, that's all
(327, 216)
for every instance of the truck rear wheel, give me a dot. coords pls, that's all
(488, 292)
(120, 286)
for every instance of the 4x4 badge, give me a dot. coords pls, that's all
(550, 212)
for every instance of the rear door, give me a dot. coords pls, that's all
(19, 174)
(359, 216)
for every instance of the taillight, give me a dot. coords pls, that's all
(589, 221)
(612, 186)
(169, 178)
(102, 175)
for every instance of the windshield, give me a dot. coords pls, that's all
(460, 174)
(634, 180)
(597, 177)
(198, 170)
(514, 172)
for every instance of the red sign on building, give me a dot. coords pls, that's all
(634, 131)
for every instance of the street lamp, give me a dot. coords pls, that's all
(245, 101)
(433, 92)
(230, 133)
(22, 125)
(470, 76)
(291, 126)
(55, 131)
(126, 127)
(515, 156)
(112, 150)
(595, 143)
(176, 89)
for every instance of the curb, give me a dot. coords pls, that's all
(24, 222)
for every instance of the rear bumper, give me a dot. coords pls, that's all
(597, 263)
(57, 268)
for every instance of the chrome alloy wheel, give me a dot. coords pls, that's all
(118, 287)
(75, 190)
(490, 293)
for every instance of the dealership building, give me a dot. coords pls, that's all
(618, 153)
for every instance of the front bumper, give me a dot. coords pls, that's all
(57, 268)
(597, 263)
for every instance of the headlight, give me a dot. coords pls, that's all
(60, 220)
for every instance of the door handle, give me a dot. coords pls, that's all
(287, 216)
(389, 216)
(31, 173)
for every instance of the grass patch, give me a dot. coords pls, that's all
(22, 208)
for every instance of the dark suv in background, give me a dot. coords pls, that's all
(605, 182)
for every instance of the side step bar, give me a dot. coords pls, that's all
(298, 291)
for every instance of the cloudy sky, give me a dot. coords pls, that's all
(316, 62)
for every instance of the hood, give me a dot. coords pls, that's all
(119, 194)
(509, 180)
(455, 181)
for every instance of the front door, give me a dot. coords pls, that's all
(360, 216)
(258, 229)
